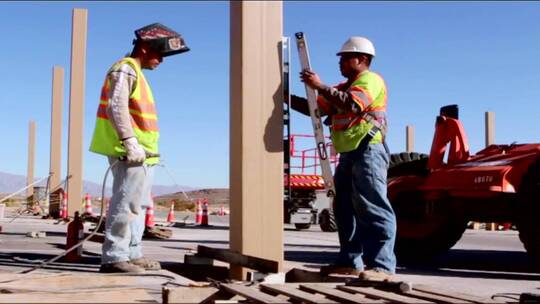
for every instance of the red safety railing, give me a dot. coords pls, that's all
(306, 161)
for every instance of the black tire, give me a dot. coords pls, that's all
(302, 226)
(327, 220)
(528, 211)
(421, 236)
(408, 164)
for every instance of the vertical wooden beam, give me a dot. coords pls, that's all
(256, 124)
(55, 165)
(490, 140)
(31, 156)
(76, 109)
(409, 137)
(490, 128)
(55, 157)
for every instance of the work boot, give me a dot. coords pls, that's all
(375, 275)
(338, 269)
(120, 267)
(147, 264)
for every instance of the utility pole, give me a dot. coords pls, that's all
(76, 109)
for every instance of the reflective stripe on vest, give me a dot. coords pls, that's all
(345, 121)
(361, 97)
(142, 113)
(348, 129)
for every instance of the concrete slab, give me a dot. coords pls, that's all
(485, 263)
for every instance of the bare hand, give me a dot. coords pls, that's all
(311, 79)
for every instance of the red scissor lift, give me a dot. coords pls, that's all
(304, 204)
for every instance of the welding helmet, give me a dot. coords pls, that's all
(161, 39)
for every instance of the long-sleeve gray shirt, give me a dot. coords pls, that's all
(122, 80)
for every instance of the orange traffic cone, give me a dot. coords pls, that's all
(198, 214)
(88, 204)
(61, 208)
(149, 220)
(170, 216)
(64, 211)
(204, 219)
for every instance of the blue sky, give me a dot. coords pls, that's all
(480, 55)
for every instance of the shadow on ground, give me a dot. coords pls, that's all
(496, 264)
(311, 257)
(511, 265)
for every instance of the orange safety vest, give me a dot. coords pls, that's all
(143, 115)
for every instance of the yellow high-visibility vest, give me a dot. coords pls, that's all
(143, 118)
(348, 129)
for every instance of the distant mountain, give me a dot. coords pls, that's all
(219, 196)
(10, 183)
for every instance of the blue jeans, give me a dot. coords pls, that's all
(127, 211)
(365, 219)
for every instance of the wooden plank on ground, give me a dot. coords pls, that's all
(301, 275)
(225, 255)
(251, 293)
(452, 294)
(59, 282)
(331, 292)
(199, 272)
(297, 294)
(96, 296)
(385, 295)
(436, 298)
(178, 279)
(188, 294)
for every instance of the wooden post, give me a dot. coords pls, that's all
(256, 136)
(55, 166)
(409, 136)
(490, 139)
(31, 156)
(76, 109)
(490, 128)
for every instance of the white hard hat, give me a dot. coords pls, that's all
(357, 45)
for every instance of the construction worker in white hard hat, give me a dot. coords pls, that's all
(356, 110)
(126, 127)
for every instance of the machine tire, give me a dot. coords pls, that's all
(434, 237)
(408, 163)
(528, 209)
(302, 226)
(327, 220)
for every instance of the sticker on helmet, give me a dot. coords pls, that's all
(154, 33)
(175, 44)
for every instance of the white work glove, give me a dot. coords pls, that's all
(135, 152)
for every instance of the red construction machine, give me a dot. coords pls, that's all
(435, 199)
(304, 197)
